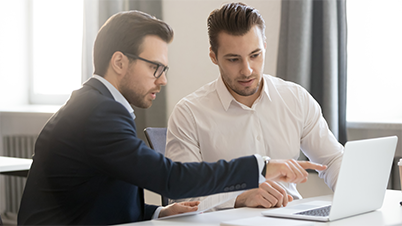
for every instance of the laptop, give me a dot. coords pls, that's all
(361, 185)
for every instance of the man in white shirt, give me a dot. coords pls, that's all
(245, 112)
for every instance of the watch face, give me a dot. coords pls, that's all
(266, 159)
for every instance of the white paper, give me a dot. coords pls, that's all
(209, 203)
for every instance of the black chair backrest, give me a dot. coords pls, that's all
(1, 222)
(157, 140)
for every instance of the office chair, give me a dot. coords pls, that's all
(157, 140)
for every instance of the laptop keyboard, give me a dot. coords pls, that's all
(322, 212)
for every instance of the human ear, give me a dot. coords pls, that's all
(212, 55)
(119, 62)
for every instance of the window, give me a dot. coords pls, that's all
(374, 61)
(41, 49)
(57, 33)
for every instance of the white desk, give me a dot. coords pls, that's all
(14, 166)
(389, 214)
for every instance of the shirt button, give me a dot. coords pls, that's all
(258, 138)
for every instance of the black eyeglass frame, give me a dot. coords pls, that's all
(165, 68)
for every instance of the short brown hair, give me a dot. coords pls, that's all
(125, 32)
(234, 19)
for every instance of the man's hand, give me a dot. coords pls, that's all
(181, 207)
(268, 194)
(290, 171)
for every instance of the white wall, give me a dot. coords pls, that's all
(190, 66)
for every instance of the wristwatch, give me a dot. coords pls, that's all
(266, 161)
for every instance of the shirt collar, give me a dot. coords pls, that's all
(226, 97)
(116, 94)
(267, 78)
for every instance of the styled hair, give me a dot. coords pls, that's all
(125, 32)
(235, 19)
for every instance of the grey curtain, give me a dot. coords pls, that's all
(312, 53)
(96, 12)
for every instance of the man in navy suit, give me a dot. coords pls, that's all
(89, 166)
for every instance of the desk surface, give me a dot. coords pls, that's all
(9, 164)
(389, 214)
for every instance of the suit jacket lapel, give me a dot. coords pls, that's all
(98, 85)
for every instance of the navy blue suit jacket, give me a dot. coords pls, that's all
(89, 167)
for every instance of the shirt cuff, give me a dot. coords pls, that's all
(156, 213)
(260, 161)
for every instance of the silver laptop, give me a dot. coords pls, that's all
(361, 185)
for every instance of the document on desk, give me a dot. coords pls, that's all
(209, 203)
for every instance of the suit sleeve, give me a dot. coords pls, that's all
(113, 147)
(149, 211)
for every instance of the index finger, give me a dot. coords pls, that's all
(311, 165)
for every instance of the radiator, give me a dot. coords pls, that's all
(21, 146)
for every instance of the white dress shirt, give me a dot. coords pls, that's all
(210, 124)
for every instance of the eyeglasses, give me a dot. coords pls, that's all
(160, 68)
